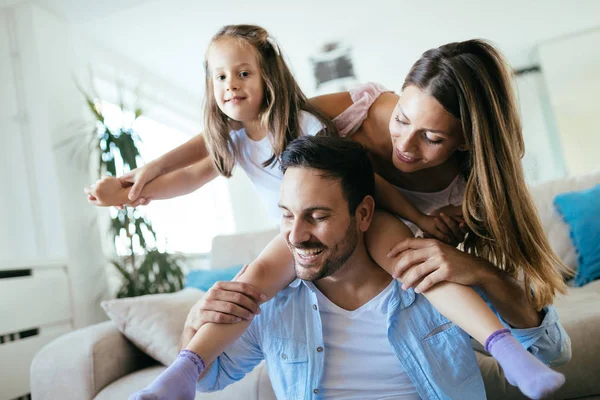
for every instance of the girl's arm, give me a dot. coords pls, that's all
(186, 154)
(271, 272)
(109, 191)
(194, 150)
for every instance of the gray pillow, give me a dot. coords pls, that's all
(153, 323)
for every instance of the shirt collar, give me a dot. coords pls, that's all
(401, 298)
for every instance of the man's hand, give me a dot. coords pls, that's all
(224, 303)
(423, 263)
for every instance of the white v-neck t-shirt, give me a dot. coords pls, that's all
(251, 154)
(359, 361)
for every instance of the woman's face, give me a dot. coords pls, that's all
(424, 134)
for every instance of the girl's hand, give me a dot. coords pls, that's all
(106, 192)
(423, 263)
(137, 179)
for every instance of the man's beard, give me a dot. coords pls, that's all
(340, 253)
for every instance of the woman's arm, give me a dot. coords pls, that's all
(505, 294)
(443, 228)
(109, 191)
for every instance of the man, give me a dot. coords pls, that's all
(344, 328)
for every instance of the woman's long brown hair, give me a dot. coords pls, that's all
(472, 81)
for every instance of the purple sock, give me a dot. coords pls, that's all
(178, 382)
(533, 378)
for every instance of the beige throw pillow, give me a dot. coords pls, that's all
(153, 323)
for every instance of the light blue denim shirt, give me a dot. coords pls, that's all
(436, 354)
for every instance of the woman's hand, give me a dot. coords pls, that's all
(451, 230)
(423, 263)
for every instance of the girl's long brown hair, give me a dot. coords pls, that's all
(283, 100)
(472, 81)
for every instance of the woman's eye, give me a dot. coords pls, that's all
(244, 74)
(220, 77)
(398, 120)
(432, 141)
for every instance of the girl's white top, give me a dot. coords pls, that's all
(251, 154)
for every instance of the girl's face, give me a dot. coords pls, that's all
(236, 77)
(424, 134)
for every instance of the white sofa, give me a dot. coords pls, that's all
(99, 363)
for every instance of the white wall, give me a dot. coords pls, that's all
(571, 68)
(43, 210)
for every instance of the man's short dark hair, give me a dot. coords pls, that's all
(338, 158)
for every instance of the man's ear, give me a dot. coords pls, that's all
(364, 213)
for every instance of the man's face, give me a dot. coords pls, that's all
(316, 224)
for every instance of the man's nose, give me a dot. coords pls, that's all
(298, 233)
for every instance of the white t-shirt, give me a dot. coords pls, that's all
(251, 154)
(359, 361)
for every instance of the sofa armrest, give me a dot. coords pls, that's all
(81, 363)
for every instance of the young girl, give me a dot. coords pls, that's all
(253, 109)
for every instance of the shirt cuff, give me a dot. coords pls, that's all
(529, 336)
(208, 381)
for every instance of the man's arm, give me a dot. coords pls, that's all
(234, 363)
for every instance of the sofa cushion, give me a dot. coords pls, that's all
(555, 227)
(254, 386)
(153, 323)
(581, 210)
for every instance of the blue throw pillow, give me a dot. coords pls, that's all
(204, 279)
(581, 210)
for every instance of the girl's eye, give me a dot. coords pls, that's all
(244, 74)
(286, 216)
(220, 77)
(400, 121)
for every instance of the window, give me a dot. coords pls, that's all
(188, 223)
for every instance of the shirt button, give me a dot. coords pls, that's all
(316, 391)
(283, 356)
(319, 349)
(314, 306)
